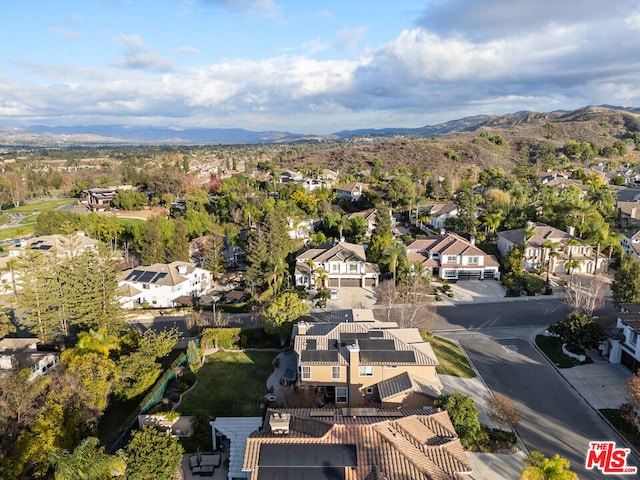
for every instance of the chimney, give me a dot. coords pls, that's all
(571, 230)
(182, 269)
(472, 240)
(442, 231)
(279, 423)
(302, 328)
(354, 372)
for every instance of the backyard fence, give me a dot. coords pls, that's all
(151, 399)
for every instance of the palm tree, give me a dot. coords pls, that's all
(568, 247)
(344, 222)
(492, 221)
(278, 273)
(312, 266)
(551, 251)
(87, 462)
(393, 253)
(322, 278)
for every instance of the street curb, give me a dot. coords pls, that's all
(614, 429)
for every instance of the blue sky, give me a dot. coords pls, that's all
(311, 66)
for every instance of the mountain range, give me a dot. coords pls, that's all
(126, 134)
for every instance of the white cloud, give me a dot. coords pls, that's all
(316, 45)
(186, 50)
(66, 33)
(349, 37)
(633, 20)
(140, 56)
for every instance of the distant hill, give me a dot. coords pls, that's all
(582, 124)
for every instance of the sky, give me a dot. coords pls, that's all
(311, 67)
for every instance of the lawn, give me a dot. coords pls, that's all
(37, 206)
(552, 348)
(230, 384)
(17, 231)
(452, 359)
(624, 427)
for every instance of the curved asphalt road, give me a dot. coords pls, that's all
(555, 419)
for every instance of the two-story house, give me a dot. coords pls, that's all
(451, 257)
(625, 346)
(355, 444)
(163, 285)
(351, 191)
(568, 248)
(336, 264)
(370, 217)
(434, 215)
(367, 362)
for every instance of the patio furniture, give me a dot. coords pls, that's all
(204, 464)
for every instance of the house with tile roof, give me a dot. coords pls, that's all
(625, 346)
(356, 444)
(351, 191)
(452, 257)
(365, 362)
(163, 285)
(56, 244)
(370, 217)
(433, 215)
(628, 213)
(345, 265)
(630, 242)
(20, 353)
(569, 248)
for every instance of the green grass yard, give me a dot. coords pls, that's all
(552, 348)
(452, 359)
(37, 206)
(230, 384)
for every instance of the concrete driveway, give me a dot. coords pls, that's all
(474, 291)
(353, 297)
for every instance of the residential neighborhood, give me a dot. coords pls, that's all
(376, 322)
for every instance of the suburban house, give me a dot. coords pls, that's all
(369, 215)
(625, 346)
(336, 264)
(628, 213)
(60, 245)
(355, 444)
(451, 257)
(351, 191)
(366, 363)
(101, 199)
(19, 353)
(568, 248)
(631, 243)
(300, 229)
(163, 285)
(434, 215)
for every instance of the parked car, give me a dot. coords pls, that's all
(333, 293)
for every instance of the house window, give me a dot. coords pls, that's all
(368, 390)
(145, 286)
(452, 258)
(366, 371)
(305, 372)
(335, 373)
(342, 394)
(335, 267)
(473, 260)
(353, 267)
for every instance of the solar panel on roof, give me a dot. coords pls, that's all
(307, 455)
(376, 333)
(160, 276)
(147, 276)
(319, 356)
(387, 356)
(351, 337)
(133, 276)
(376, 344)
(311, 344)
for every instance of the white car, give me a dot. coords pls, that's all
(333, 293)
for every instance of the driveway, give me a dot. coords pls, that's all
(473, 291)
(352, 297)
